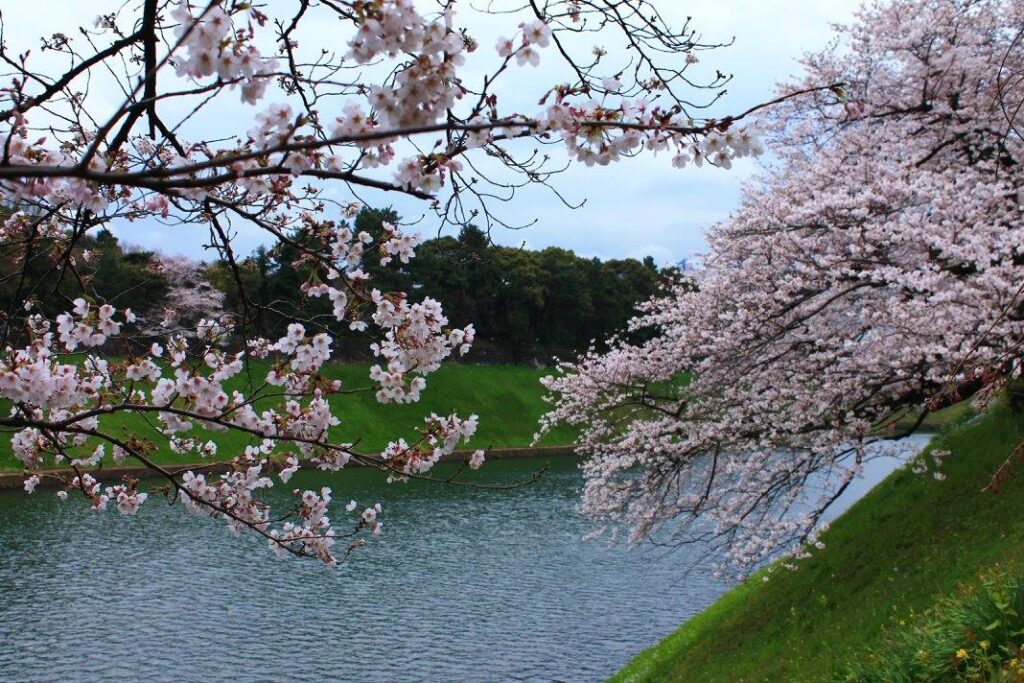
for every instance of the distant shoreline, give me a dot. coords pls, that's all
(54, 478)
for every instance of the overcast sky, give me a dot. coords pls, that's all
(634, 208)
(644, 206)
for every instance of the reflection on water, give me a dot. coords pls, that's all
(465, 585)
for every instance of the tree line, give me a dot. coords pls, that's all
(527, 305)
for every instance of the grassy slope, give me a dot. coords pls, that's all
(909, 542)
(507, 399)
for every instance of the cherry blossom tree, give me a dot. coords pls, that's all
(875, 271)
(223, 116)
(190, 298)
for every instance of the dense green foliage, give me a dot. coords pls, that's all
(899, 551)
(524, 304)
(509, 401)
(102, 270)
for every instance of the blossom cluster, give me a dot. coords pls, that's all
(876, 273)
(439, 439)
(426, 86)
(312, 120)
(60, 403)
(213, 46)
(415, 337)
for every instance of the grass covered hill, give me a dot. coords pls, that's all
(508, 399)
(876, 603)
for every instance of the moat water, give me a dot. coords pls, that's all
(464, 585)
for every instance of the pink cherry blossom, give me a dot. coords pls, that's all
(395, 104)
(877, 269)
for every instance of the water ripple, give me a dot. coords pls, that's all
(465, 585)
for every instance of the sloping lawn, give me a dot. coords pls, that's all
(909, 543)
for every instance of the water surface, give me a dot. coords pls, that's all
(465, 585)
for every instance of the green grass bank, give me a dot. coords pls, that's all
(910, 544)
(508, 399)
